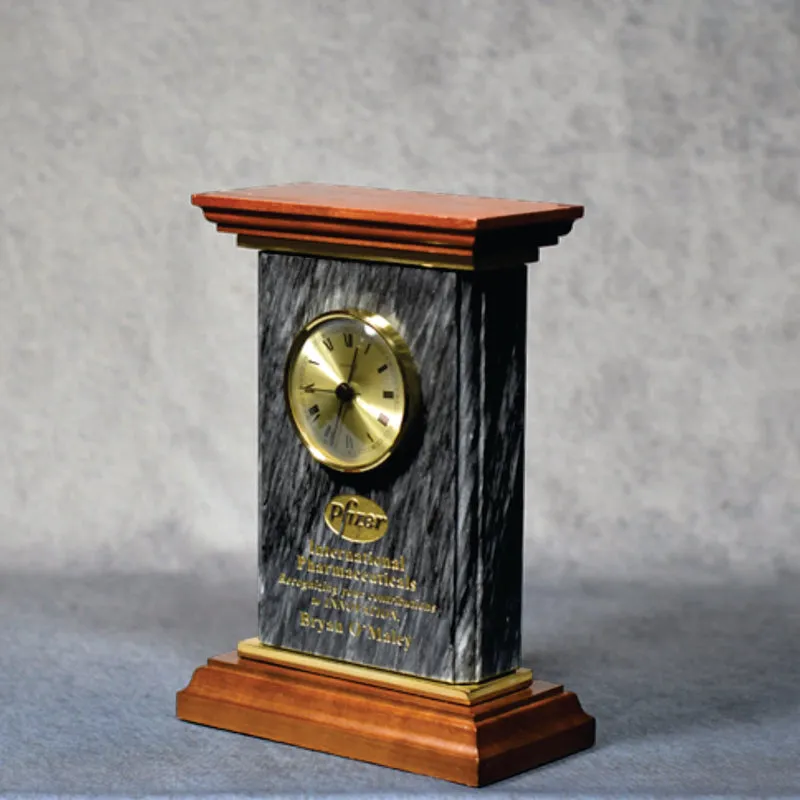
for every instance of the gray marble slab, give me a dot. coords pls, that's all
(454, 500)
(490, 462)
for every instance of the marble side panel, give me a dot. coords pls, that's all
(491, 434)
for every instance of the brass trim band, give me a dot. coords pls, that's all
(353, 253)
(467, 694)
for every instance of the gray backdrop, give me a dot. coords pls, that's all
(663, 438)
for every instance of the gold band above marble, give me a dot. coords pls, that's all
(353, 253)
(467, 694)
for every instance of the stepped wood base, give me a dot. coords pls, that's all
(465, 738)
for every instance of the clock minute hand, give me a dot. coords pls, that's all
(352, 367)
(345, 394)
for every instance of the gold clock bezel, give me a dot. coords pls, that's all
(408, 372)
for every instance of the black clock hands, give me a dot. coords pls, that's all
(352, 367)
(345, 394)
(343, 406)
(311, 389)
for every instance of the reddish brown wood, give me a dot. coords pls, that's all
(299, 238)
(474, 745)
(439, 229)
(337, 228)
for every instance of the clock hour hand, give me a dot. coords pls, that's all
(311, 389)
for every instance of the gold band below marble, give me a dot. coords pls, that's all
(462, 693)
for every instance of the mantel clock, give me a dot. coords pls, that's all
(391, 452)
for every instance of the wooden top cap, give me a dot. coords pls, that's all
(437, 230)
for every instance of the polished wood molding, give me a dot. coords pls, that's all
(435, 230)
(473, 743)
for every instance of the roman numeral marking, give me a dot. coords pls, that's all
(309, 389)
(383, 367)
(327, 342)
(366, 349)
(348, 339)
(311, 361)
(383, 419)
(314, 412)
(387, 394)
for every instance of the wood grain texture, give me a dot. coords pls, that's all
(473, 745)
(435, 229)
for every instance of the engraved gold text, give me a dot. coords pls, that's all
(356, 519)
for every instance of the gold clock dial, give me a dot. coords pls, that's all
(351, 389)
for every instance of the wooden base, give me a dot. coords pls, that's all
(518, 727)
(474, 743)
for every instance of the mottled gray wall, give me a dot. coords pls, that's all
(664, 384)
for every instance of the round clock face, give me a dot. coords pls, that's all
(350, 387)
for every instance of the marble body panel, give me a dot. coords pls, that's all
(453, 498)
(490, 466)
